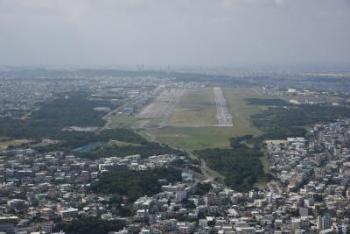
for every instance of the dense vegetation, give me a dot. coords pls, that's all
(134, 184)
(279, 123)
(145, 150)
(90, 225)
(266, 102)
(240, 142)
(77, 110)
(134, 144)
(241, 167)
(203, 188)
(51, 117)
(71, 140)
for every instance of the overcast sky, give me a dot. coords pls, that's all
(174, 32)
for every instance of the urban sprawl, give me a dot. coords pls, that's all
(309, 192)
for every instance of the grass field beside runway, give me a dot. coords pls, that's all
(192, 124)
(194, 138)
(195, 109)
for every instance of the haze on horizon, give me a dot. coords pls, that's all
(174, 32)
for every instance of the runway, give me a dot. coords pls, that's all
(222, 113)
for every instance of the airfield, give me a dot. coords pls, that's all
(196, 118)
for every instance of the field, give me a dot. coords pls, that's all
(195, 109)
(197, 138)
(207, 135)
(121, 121)
(8, 143)
(191, 123)
(241, 111)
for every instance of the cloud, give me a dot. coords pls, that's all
(209, 32)
(251, 3)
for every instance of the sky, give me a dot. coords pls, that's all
(174, 32)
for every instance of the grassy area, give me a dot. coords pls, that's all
(121, 121)
(194, 138)
(7, 143)
(241, 111)
(192, 125)
(196, 109)
(113, 143)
